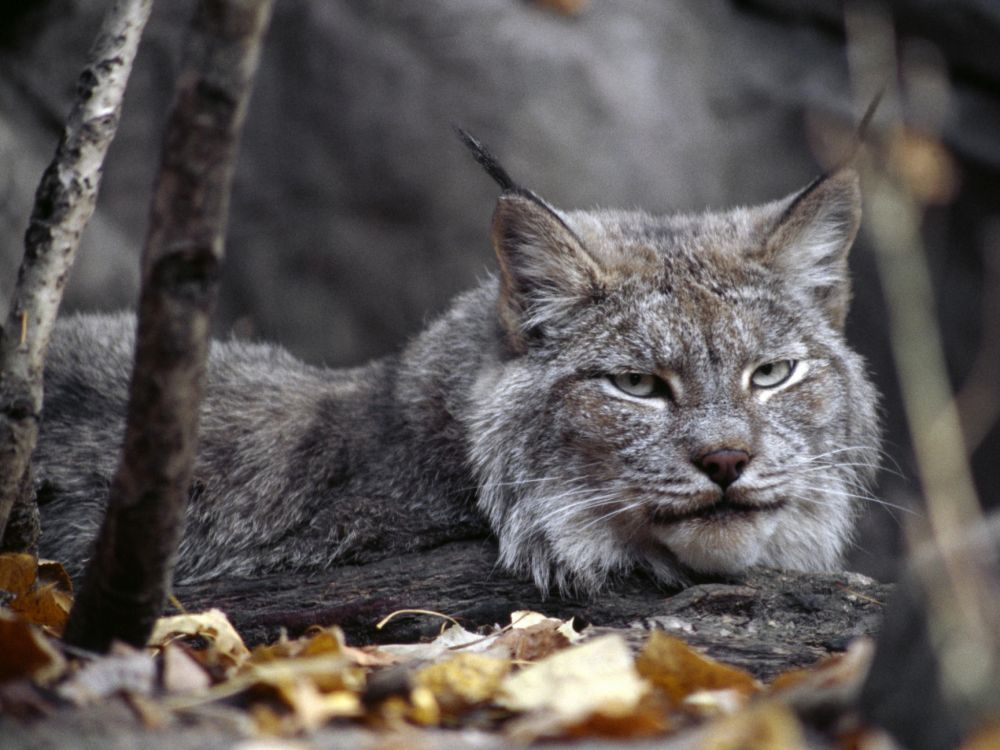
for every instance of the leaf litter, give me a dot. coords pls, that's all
(535, 678)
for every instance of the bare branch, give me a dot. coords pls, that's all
(63, 205)
(126, 584)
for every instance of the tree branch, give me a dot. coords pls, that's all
(64, 204)
(126, 583)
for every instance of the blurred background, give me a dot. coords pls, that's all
(357, 215)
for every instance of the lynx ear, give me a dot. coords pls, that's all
(545, 271)
(812, 235)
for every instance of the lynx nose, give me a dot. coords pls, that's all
(723, 466)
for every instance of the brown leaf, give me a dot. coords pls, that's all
(47, 606)
(17, 572)
(26, 651)
(533, 643)
(533, 636)
(50, 571)
(678, 670)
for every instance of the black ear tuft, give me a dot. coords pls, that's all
(488, 161)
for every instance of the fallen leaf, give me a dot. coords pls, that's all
(573, 686)
(26, 651)
(181, 673)
(124, 670)
(451, 640)
(463, 681)
(312, 707)
(17, 572)
(533, 636)
(50, 571)
(320, 641)
(678, 670)
(765, 726)
(328, 672)
(711, 704)
(845, 670)
(47, 606)
(226, 650)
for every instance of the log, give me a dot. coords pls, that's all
(766, 622)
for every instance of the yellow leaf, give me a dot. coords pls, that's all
(46, 606)
(765, 726)
(227, 647)
(328, 672)
(598, 677)
(464, 681)
(424, 708)
(678, 670)
(325, 641)
(17, 572)
(26, 652)
(312, 707)
(321, 641)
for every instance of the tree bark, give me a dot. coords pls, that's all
(126, 584)
(64, 204)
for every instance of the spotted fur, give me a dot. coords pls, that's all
(506, 415)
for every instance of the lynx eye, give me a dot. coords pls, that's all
(639, 384)
(773, 374)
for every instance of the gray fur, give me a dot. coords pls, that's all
(501, 415)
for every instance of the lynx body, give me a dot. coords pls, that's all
(670, 393)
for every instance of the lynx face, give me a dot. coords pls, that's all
(674, 393)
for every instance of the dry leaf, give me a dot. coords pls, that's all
(181, 673)
(124, 670)
(47, 606)
(678, 670)
(531, 644)
(830, 686)
(226, 647)
(26, 651)
(451, 640)
(50, 571)
(711, 704)
(533, 636)
(42, 590)
(575, 686)
(463, 681)
(312, 707)
(765, 726)
(17, 572)
(328, 672)
(320, 641)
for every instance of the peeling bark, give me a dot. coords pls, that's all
(64, 204)
(127, 581)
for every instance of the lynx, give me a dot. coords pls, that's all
(668, 393)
